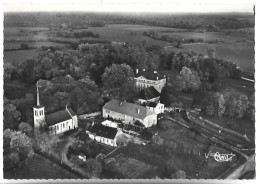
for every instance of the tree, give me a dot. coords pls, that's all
(26, 128)
(221, 105)
(241, 106)
(11, 115)
(21, 142)
(119, 81)
(100, 157)
(188, 80)
(93, 167)
(61, 99)
(9, 71)
(45, 141)
(76, 161)
(24, 46)
(180, 174)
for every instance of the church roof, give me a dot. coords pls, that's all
(148, 93)
(103, 131)
(129, 109)
(149, 74)
(59, 116)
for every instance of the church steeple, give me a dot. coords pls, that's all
(38, 98)
(38, 111)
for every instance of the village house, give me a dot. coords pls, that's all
(129, 113)
(146, 78)
(157, 108)
(57, 122)
(103, 134)
(149, 94)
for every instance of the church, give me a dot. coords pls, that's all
(58, 122)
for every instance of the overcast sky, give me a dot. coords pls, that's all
(130, 6)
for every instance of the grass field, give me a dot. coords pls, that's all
(36, 44)
(15, 57)
(208, 36)
(241, 53)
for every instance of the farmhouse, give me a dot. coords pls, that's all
(157, 108)
(129, 113)
(149, 94)
(146, 78)
(103, 134)
(58, 122)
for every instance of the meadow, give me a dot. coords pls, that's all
(15, 57)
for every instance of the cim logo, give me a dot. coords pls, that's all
(220, 157)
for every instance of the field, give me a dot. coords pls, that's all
(38, 44)
(15, 57)
(224, 36)
(237, 44)
(241, 53)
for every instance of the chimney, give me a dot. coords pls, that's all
(138, 110)
(137, 71)
(154, 71)
(143, 69)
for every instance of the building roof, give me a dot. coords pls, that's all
(129, 109)
(149, 74)
(103, 131)
(151, 104)
(149, 93)
(59, 116)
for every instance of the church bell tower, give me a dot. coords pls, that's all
(38, 111)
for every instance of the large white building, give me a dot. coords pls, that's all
(129, 113)
(57, 122)
(146, 78)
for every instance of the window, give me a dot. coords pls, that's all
(63, 125)
(57, 127)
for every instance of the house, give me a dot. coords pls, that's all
(146, 78)
(57, 122)
(157, 108)
(129, 113)
(103, 134)
(149, 94)
(82, 157)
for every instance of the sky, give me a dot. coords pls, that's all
(163, 6)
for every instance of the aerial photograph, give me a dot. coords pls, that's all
(111, 94)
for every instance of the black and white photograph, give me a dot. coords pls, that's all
(132, 91)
